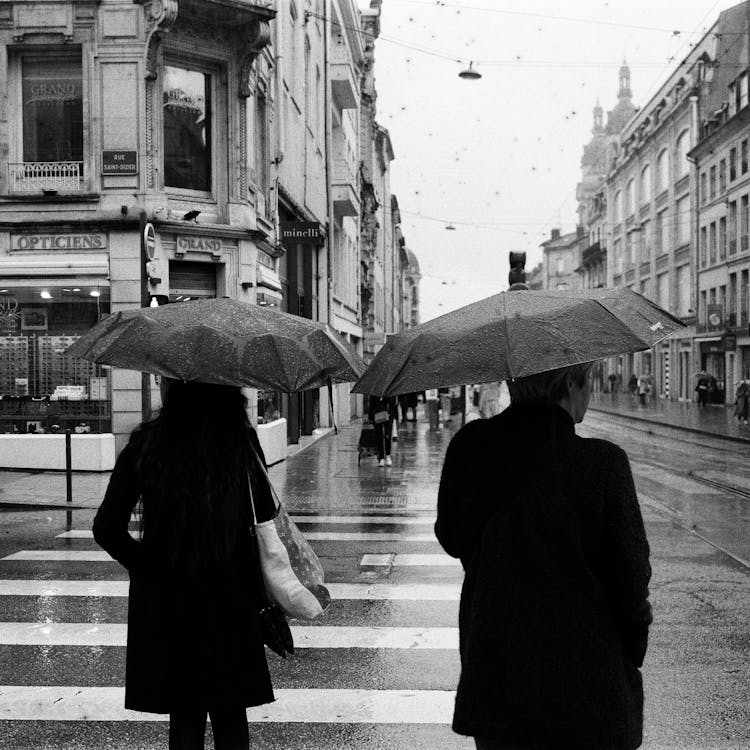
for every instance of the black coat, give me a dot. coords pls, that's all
(554, 609)
(194, 639)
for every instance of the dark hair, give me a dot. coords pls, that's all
(193, 470)
(547, 387)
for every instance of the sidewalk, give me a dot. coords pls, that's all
(716, 420)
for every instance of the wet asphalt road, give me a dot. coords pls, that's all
(389, 692)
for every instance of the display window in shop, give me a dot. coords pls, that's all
(41, 389)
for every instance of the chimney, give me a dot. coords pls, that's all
(555, 234)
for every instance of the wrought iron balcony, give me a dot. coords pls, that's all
(36, 176)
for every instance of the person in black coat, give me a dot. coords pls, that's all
(554, 610)
(194, 643)
(384, 429)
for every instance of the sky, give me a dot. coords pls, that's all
(499, 158)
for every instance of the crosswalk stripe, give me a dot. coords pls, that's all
(358, 591)
(410, 560)
(318, 636)
(65, 555)
(35, 703)
(313, 536)
(367, 520)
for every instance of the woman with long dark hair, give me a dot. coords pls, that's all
(194, 645)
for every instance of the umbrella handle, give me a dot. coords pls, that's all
(330, 404)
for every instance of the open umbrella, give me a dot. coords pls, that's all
(223, 341)
(514, 334)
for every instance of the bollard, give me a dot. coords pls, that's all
(68, 468)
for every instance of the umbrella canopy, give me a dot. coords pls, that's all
(514, 334)
(223, 341)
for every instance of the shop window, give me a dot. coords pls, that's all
(187, 129)
(49, 154)
(269, 406)
(41, 389)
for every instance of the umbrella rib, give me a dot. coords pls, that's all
(511, 376)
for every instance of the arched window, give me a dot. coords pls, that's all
(617, 208)
(630, 197)
(645, 191)
(662, 173)
(681, 162)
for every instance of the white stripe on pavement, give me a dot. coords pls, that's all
(372, 520)
(33, 703)
(359, 591)
(114, 634)
(313, 536)
(61, 555)
(409, 560)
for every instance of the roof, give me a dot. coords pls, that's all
(565, 240)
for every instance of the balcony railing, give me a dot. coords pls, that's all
(36, 176)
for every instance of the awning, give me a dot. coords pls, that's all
(45, 266)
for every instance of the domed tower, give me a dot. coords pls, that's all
(624, 109)
(625, 90)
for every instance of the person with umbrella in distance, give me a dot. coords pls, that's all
(382, 412)
(194, 644)
(554, 611)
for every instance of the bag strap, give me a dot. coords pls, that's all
(264, 471)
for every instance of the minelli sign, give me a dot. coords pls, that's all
(53, 242)
(301, 232)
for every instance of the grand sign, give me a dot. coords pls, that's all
(199, 244)
(66, 241)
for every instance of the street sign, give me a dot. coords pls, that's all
(149, 241)
(119, 162)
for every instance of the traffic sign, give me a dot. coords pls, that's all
(149, 241)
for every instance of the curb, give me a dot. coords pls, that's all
(695, 430)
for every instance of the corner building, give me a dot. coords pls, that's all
(120, 114)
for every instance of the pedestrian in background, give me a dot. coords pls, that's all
(702, 388)
(554, 611)
(644, 387)
(741, 395)
(633, 386)
(194, 644)
(382, 412)
(612, 384)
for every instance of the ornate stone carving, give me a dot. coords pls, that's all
(243, 151)
(258, 37)
(160, 15)
(150, 135)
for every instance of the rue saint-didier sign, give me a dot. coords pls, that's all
(119, 162)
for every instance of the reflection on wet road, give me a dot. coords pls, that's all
(379, 669)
